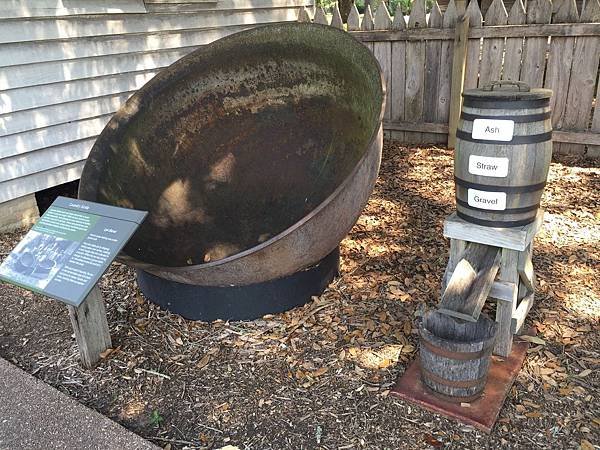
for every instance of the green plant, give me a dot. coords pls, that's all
(155, 418)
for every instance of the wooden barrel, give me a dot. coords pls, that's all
(455, 355)
(503, 153)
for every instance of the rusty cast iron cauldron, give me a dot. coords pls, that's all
(254, 156)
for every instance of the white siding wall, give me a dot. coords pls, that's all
(67, 65)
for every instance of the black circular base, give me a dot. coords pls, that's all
(248, 302)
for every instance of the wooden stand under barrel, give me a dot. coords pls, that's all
(513, 289)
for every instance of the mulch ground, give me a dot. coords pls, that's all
(320, 376)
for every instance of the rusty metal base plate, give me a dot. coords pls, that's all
(481, 413)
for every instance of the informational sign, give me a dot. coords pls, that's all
(493, 130)
(69, 248)
(487, 200)
(488, 166)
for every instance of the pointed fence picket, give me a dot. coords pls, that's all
(554, 47)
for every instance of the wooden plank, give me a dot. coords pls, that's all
(458, 77)
(559, 65)
(396, 96)
(506, 310)
(594, 150)
(383, 54)
(575, 29)
(582, 84)
(336, 19)
(525, 268)
(39, 181)
(493, 48)
(500, 290)
(514, 46)
(320, 16)
(217, 5)
(574, 137)
(433, 67)
(534, 50)
(353, 22)
(367, 23)
(91, 328)
(10, 9)
(382, 19)
(588, 138)
(446, 66)
(59, 71)
(45, 159)
(415, 72)
(473, 46)
(20, 30)
(517, 238)
(20, 53)
(471, 282)
(457, 248)
(34, 96)
(424, 127)
(17, 144)
(239, 4)
(46, 116)
(520, 314)
(304, 15)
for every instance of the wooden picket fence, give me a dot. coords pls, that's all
(429, 61)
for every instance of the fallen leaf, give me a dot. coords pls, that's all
(584, 373)
(106, 353)
(431, 440)
(533, 339)
(319, 372)
(586, 445)
(203, 362)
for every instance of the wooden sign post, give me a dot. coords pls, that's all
(64, 255)
(91, 328)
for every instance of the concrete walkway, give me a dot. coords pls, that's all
(34, 415)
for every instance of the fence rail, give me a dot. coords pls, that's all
(426, 64)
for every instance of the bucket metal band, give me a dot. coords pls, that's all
(516, 119)
(495, 223)
(465, 384)
(503, 211)
(451, 399)
(460, 356)
(495, 188)
(516, 140)
(488, 103)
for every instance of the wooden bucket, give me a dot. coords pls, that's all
(503, 153)
(455, 355)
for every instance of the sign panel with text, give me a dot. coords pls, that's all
(69, 248)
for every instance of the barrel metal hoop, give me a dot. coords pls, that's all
(516, 140)
(504, 211)
(493, 188)
(506, 104)
(494, 223)
(451, 399)
(517, 119)
(460, 356)
(452, 383)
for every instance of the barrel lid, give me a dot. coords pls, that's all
(507, 90)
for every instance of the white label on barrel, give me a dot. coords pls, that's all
(487, 200)
(493, 130)
(488, 166)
